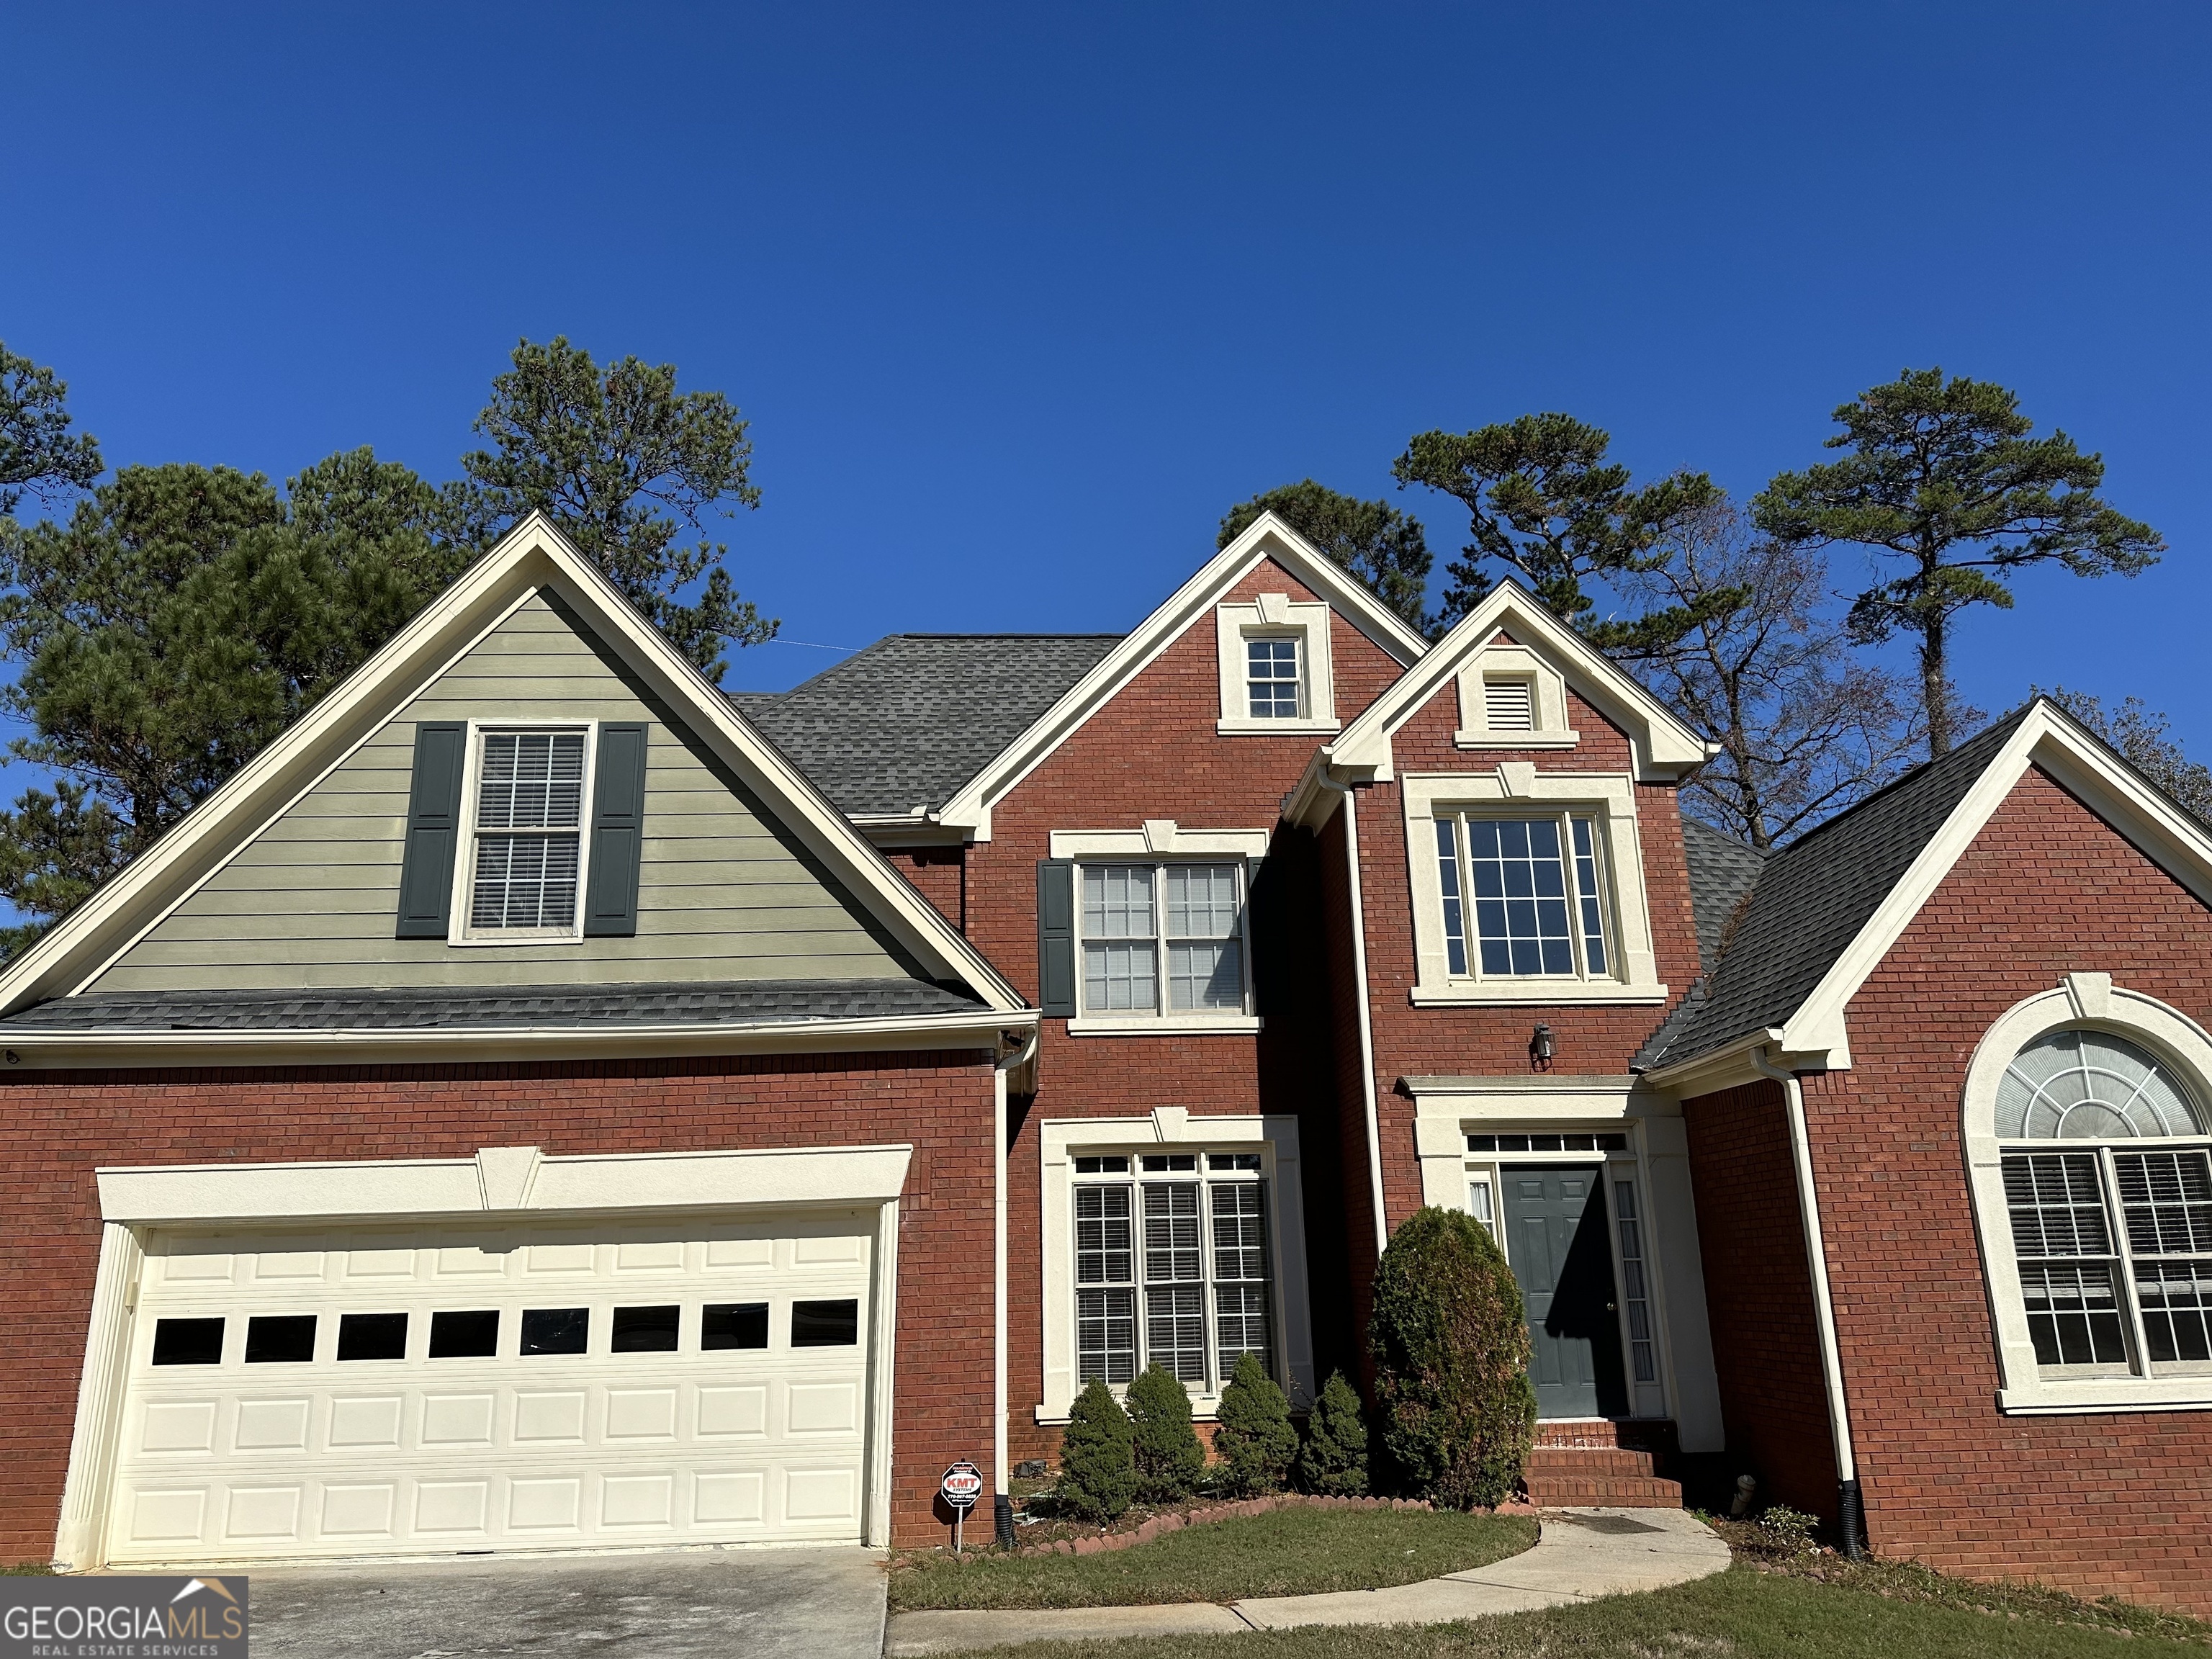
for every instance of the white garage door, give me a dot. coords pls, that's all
(475, 1388)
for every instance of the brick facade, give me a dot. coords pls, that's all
(2102, 1503)
(50, 1228)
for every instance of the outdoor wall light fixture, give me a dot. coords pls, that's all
(1540, 1044)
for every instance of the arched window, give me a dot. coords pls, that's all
(2108, 1184)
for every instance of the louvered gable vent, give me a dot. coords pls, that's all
(1509, 705)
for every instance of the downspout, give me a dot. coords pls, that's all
(1851, 1509)
(1002, 1503)
(1366, 1021)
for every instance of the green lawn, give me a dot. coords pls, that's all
(1290, 1551)
(1742, 1614)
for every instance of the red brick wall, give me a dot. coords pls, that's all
(1151, 752)
(50, 1226)
(940, 875)
(2108, 1502)
(1759, 1296)
(1594, 1040)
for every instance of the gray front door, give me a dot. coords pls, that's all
(1555, 1237)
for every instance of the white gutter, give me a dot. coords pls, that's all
(1002, 1503)
(1366, 1021)
(1850, 1511)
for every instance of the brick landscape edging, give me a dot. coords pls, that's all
(1159, 1525)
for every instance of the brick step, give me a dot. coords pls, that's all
(1619, 1492)
(1593, 1461)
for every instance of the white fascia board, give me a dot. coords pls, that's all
(1734, 1067)
(531, 557)
(371, 1188)
(2047, 737)
(1665, 749)
(1267, 537)
(37, 1050)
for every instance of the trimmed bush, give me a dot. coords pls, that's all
(1097, 1466)
(1169, 1458)
(1334, 1460)
(1453, 1406)
(1254, 1439)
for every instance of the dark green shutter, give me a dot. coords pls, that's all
(617, 833)
(434, 830)
(1056, 937)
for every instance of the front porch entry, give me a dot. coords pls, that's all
(1558, 1237)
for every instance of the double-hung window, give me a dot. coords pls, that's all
(1272, 678)
(1162, 939)
(1523, 897)
(526, 861)
(1171, 1267)
(2108, 1184)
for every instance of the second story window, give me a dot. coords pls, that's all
(1271, 678)
(524, 879)
(1523, 896)
(1162, 939)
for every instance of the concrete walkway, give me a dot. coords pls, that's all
(1582, 1554)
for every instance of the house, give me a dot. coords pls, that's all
(543, 1103)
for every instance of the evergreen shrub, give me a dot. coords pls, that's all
(1097, 1466)
(1169, 1458)
(1455, 1409)
(1334, 1460)
(1254, 1438)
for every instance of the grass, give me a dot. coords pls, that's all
(1289, 1552)
(1743, 1613)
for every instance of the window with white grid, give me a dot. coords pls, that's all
(2113, 1237)
(1163, 939)
(1522, 897)
(1171, 1267)
(528, 819)
(1271, 678)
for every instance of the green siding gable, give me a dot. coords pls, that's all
(312, 901)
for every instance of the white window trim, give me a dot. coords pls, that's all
(1447, 1110)
(1548, 704)
(514, 1180)
(458, 932)
(1276, 1138)
(1276, 616)
(1608, 796)
(1162, 841)
(2081, 1000)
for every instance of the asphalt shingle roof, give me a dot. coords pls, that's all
(736, 1002)
(1722, 871)
(909, 720)
(1811, 900)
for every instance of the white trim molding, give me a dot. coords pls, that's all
(1547, 701)
(1274, 616)
(1446, 1109)
(1610, 797)
(1275, 1138)
(513, 1182)
(1161, 838)
(2081, 1001)
(1268, 538)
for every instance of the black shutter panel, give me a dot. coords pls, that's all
(1056, 937)
(434, 830)
(618, 832)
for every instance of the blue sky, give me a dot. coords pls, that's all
(1020, 298)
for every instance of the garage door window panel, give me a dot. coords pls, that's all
(647, 1330)
(372, 1336)
(279, 1339)
(465, 1333)
(188, 1342)
(556, 1330)
(731, 1325)
(825, 1324)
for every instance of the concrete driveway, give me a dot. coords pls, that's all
(714, 1604)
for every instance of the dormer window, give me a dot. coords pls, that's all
(1270, 677)
(525, 876)
(1275, 667)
